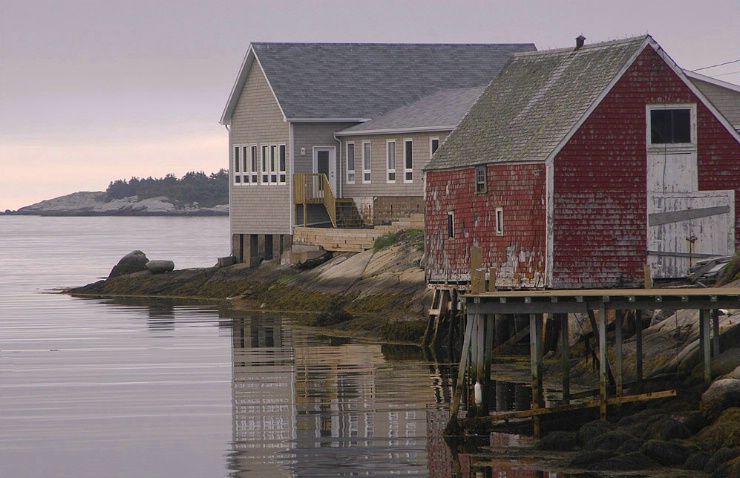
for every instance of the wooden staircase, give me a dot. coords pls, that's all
(347, 213)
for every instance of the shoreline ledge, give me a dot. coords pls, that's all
(380, 294)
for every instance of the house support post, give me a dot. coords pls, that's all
(705, 344)
(603, 377)
(535, 344)
(565, 355)
(618, 376)
(488, 357)
(715, 333)
(638, 348)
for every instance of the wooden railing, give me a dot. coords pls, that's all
(314, 189)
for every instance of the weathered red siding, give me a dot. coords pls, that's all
(519, 254)
(600, 191)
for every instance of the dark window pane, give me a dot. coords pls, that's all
(670, 126)
(409, 155)
(681, 126)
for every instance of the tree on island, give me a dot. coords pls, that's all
(194, 188)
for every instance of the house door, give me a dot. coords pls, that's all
(686, 227)
(324, 162)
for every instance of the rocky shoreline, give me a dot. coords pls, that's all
(93, 203)
(382, 295)
(374, 294)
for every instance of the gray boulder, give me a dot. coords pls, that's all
(722, 394)
(160, 267)
(134, 261)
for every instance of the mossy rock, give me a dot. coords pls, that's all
(666, 453)
(627, 462)
(723, 433)
(720, 458)
(611, 440)
(591, 430)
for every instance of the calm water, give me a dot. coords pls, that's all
(92, 387)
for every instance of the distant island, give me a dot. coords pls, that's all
(195, 194)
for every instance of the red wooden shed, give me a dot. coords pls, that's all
(577, 167)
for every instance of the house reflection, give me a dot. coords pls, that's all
(305, 404)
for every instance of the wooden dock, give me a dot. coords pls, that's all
(482, 308)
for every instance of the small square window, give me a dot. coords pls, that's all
(670, 126)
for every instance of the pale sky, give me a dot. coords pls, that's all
(97, 90)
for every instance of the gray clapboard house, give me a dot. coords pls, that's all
(295, 159)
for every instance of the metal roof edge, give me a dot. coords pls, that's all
(328, 120)
(372, 132)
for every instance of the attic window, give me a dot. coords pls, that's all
(672, 124)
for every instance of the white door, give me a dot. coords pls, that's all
(324, 161)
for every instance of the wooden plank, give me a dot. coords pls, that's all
(660, 218)
(496, 416)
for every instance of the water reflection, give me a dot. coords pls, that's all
(307, 405)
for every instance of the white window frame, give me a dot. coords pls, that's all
(272, 165)
(450, 224)
(671, 147)
(367, 154)
(431, 146)
(390, 160)
(264, 161)
(253, 164)
(236, 162)
(478, 182)
(499, 221)
(351, 172)
(282, 164)
(408, 173)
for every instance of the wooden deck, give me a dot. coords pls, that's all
(481, 309)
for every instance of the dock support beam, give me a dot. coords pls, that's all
(535, 342)
(603, 377)
(618, 375)
(638, 348)
(705, 344)
(565, 355)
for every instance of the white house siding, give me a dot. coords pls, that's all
(257, 119)
(379, 185)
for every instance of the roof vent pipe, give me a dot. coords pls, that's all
(579, 41)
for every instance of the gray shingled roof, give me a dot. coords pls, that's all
(533, 103)
(440, 111)
(724, 96)
(366, 80)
